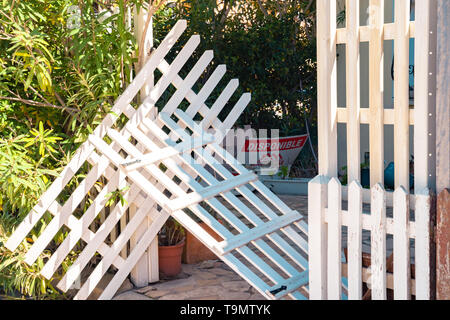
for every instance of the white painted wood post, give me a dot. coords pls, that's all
(402, 264)
(353, 91)
(317, 245)
(376, 88)
(425, 93)
(334, 240)
(401, 93)
(355, 241)
(146, 270)
(378, 243)
(327, 87)
(422, 244)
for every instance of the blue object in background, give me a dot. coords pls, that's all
(389, 174)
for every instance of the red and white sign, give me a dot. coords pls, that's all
(284, 150)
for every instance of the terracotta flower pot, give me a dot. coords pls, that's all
(195, 251)
(170, 259)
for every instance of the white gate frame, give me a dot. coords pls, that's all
(325, 215)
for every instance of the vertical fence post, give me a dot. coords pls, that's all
(378, 242)
(327, 87)
(334, 240)
(146, 269)
(402, 263)
(424, 94)
(317, 238)
(376, 88)
(401, 93)
(355, 241)
(353, 91)
(422, 248)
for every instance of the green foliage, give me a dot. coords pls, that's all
(58, 82)
(172, 233)
(116, 196)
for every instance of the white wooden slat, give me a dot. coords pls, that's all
(366, 117)
(211, 191)
(367, 196)
(259, 231)
(317, 238)
(401, 94)
(116, 182)
(388, 32)
(290, 285)
(378, 243)
(353, 90)
(49, 196)
(103, 266)
(108, 257)
(234, 114)
(422, 244)
(354, 242)
(402, 269)
(167, 152)
(334, 240)
(188, 82)
(367, 223)
(248, 195)
(191, 95)
(134, 175)
(55, 208)
(199, 100)
(423, 74)
(243, 271)
(135, 254)
(71, 204)
(220, 103)
(376, 92)
(327, 86)
(142, 77)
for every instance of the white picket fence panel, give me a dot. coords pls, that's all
(262, 239)
(326, 219)
(326, 195)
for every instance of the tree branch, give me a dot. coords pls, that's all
(151, 11)
(39, 104)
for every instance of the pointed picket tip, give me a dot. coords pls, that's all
(234, 82)
(208, 54)
(423, 192)
(221, 68)
(400, 192)
(355, 186)
(196, 39)
(334, 183)
(320, 179)
(181, 22)
(247, 97)
(377, 188)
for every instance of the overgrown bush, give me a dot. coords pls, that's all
(59, 78)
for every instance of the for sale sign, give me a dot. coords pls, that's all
(276, 152)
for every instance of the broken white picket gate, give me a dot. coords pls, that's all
(165, 158)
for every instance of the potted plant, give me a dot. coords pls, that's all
(171, 240)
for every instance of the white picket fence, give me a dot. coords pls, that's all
(326, 220)
(326, 216)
